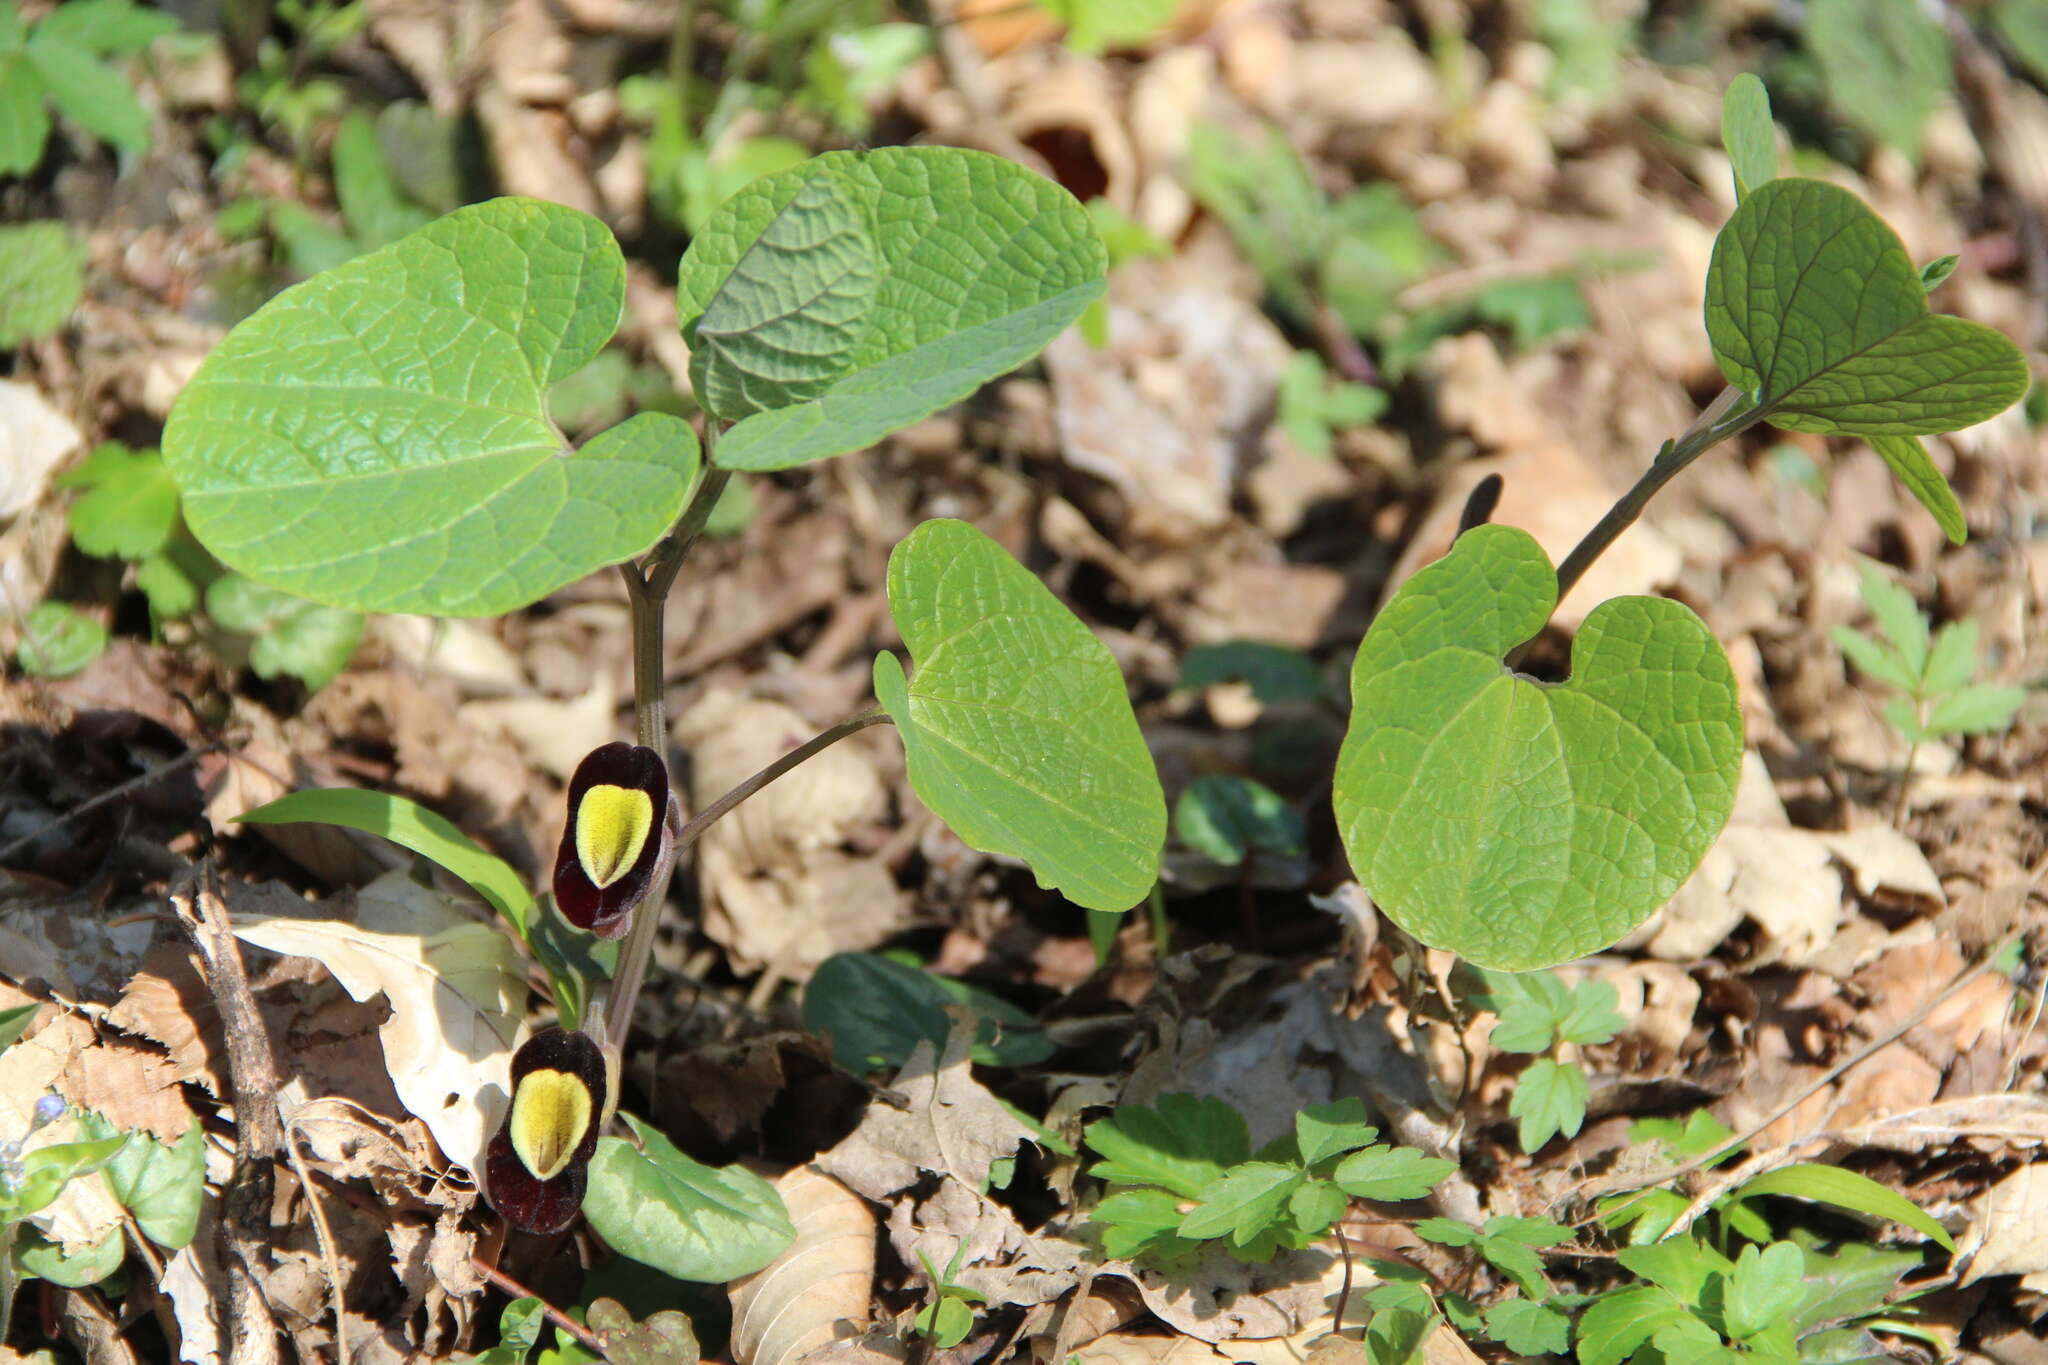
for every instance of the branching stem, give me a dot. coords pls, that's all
(1714, 425)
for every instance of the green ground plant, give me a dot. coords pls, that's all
(1516, 823)
(1539, 1014)
(67, 60)
(1934, 670)
(41, 280)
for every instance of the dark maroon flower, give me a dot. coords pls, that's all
(535, 1170)
(618, 839)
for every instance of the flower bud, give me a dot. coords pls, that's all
(619, 839)
(534, 1171)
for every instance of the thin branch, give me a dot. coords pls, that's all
(618, 1012)
(1642, 1180)
(111, 794)
(500, 1280)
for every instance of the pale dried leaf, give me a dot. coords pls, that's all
(950, 1125)
(819, 1289)
(455, 989)
(2008, 1232)
(33, 437)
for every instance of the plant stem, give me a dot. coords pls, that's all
(506, 1284)
(1712, 428)
(648, 581)
(632, 971)
(1709, 429)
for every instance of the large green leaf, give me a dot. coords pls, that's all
(410, 826)
(160, 1184)
(695, 1222)
(1816, 311)
(838, 301)
(377, 437)
(1018, 731)
(875, 1010)
(1516, 823)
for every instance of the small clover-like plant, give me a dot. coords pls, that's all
(1935, 670)
(1520, 824)
(1182, 1172)
(41, 279)
(66, 60)
(1539, 1014)
(1312, 409)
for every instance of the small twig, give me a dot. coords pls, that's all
(562, 1320)
(325, 1232)
(1344, 1293)
(1641, 1180)
(111, 794)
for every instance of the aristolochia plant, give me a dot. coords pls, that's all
(378, 439)
(1521, 824)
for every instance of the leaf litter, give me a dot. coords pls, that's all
(1805, 981)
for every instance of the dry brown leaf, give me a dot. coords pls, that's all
(950, 1125)
(455, 988)
(33, 437)
(86, 1211)
(995, 1255)
(2008, 1232)
(556, 734)
(130, 1086)
(186, 1282)
(1187, 378)
(167, 1002)
(819, 1289)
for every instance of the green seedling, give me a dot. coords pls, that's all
(1094, 25)
(277, 90)
(1312, 409)
(57, 641)
(130, 511)
(41, 280)
(1182, 1173)
(1323, 262)
(1934, 669)
(67, 61)
(1530, 310)
(1538, 1014)
(949, 1317)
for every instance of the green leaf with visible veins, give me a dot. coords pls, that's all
(1747, 133)
(41, 274)
(848, 297)
(1017, 730)
(377, 437)
(1181, 1144)
(1550, 1099)
(1816, 311)
(1516, 823)
(695, 1222)
(1242, 1203)
(87, 91)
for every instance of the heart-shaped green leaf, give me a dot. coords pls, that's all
(838, 301)
(704, 1223)
(377, 438)
(1816, 311)
(1516, 823)
(1018, 731)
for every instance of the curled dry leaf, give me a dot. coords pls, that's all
(818, 1290)
(951, 1125)
(2008, 1232)
(455, 989)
